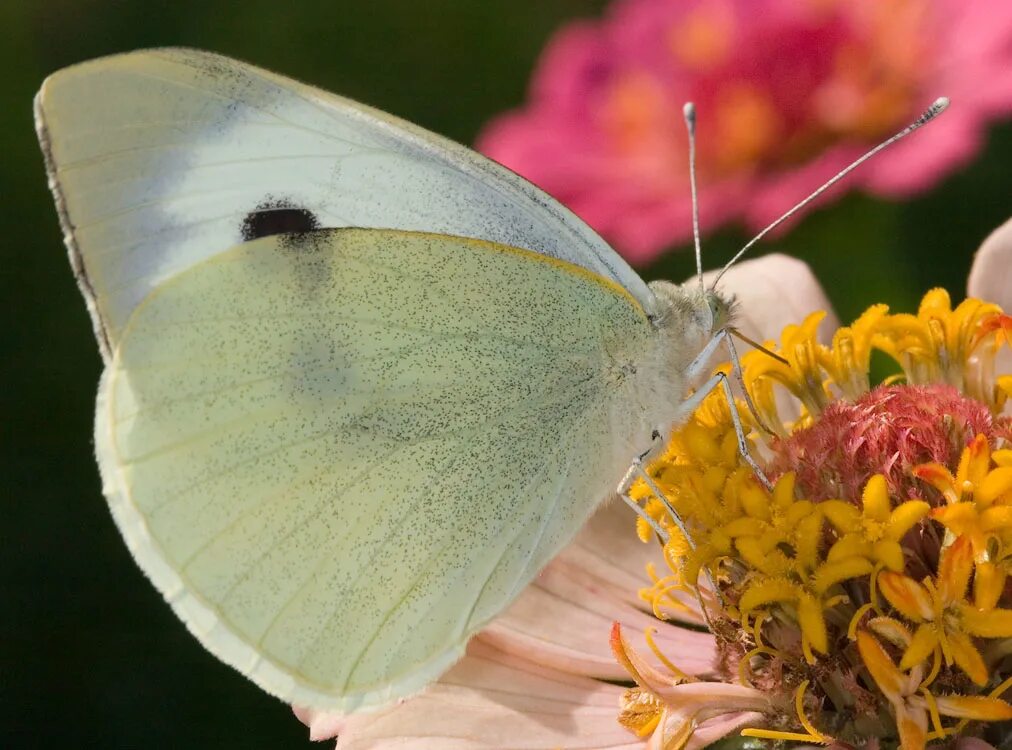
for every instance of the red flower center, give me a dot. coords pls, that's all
(888, 430)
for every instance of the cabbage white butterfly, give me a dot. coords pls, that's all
(360, 383)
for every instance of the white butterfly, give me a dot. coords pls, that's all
(360, 383)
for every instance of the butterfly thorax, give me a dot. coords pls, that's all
(684, 319)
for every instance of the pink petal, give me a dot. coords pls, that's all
(489, 700)
(619, 556)
(704, 700)
(774, 193)
(918, 162)
(714, 729)
(564, 618)
(991, 275)
(620, 162)
(991, 280)
(323, 725)
(772, 292)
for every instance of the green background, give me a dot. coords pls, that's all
(89, 654)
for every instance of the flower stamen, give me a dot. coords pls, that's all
(856, 619)
(811, 733)
(936, 718)
(678, 673)
(936, 666)
(799, 707)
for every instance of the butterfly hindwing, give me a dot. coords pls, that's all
(340, 453)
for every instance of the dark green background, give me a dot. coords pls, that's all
(89, 654)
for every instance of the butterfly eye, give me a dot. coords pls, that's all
(719, 310)
(714, 305)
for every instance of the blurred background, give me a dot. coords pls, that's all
(89, 654)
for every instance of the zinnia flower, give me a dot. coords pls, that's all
(849, 609)
(788, 92)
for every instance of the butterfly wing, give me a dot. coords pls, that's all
(160, 159)
(339, 454)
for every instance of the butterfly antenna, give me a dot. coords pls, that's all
(937, 107)
(689, 112)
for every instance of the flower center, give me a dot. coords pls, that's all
(888, 430)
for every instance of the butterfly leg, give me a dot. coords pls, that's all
(692, 372)
(720, 379)
(692, 403)
(696, 369)
(740, 378)
(623, 492)
(700, 364)
(637, 469)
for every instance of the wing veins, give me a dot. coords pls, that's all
(419, 494)
(397, 448)
(450, 532)
(474, 172)
(262, 379)
(372, 559)
(228, 471)
(544, 524)
(274, 89)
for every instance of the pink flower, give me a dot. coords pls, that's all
(542, 675)
(788, 92)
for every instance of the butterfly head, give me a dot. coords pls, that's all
(692, 314)
(685, 319)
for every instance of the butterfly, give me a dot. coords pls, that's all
(361, 384)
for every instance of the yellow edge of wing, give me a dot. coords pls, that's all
(570, 268)
(562, 265)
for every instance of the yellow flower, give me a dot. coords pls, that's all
(944, 618)
(935, 345)
(890, 517)
(876, 530)
(912, 705)
(978, 496)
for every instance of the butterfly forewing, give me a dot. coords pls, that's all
(162, 158)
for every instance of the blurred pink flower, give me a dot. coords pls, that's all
(788, 92)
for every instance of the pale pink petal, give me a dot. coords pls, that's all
(991, 280)
(713, 714)
(991, 275)
(564, 618)
(323, 725)
(705, 700)
(490, 701)
(608, 546)
(710, 731)
(620, 557)
(774, 291)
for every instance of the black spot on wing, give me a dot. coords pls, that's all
(277, 217)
